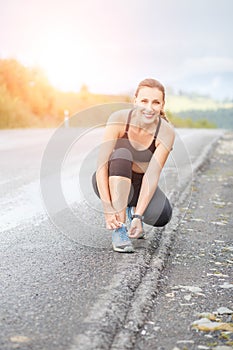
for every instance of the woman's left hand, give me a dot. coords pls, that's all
(136, 228)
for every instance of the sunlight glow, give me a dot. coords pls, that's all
(66, 65)
(68, 61)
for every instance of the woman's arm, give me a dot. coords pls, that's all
(111, 134)
(151, 178)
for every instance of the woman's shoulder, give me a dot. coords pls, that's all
(167, 127)
(119, 116)
(116, 124)
(167, 133)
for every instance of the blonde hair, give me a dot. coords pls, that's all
(153, 83)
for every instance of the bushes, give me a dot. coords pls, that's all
(25, 96)
(188, 122)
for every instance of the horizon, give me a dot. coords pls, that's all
(169, 90)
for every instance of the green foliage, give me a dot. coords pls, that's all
(26, 96)
(13, 113)
(188, 122)
(222, 117)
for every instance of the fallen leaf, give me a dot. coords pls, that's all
(185, 341)
(226, 285)
(207, 315)
(188, 297)
(219, 203)
(220, 223)
(217, 274)
(191, 289)
(149, 322)
(19, 339)
(230, 261)
(206, 325)
(227, 249)
(224, 310)
(170, 295)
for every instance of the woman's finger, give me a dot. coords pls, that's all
(135, 234)
(113, 225)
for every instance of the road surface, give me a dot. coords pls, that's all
(56, 257)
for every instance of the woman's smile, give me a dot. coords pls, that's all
(148, 115)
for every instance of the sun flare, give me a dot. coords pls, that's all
(66, 64)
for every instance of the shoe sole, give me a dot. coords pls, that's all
(125, 250)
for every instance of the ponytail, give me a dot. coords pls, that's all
(163, 115)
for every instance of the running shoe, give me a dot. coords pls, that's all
(130, 213)
(120, 240)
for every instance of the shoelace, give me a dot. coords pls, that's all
(123, 235)
(129, 213)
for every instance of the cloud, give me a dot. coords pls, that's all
(208, 64)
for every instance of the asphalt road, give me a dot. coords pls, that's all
(56, 257)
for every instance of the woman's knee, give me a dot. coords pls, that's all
(120, 163)
(94, 184)
(121, 153)
(159, 210)
(165, 215)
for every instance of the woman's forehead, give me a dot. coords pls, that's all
(152, 93)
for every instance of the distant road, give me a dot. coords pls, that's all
(22, 151)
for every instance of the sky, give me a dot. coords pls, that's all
(111, 45)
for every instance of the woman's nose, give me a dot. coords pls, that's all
(149, 106)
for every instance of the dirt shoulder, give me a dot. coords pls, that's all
(194, 303)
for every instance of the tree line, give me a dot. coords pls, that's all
(221, 118)
(28, 100)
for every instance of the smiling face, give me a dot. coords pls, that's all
(149, 103)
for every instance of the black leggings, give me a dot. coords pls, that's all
(159, 211)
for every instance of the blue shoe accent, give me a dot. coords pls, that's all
(120, 240)
(129, 213)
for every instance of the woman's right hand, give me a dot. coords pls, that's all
(112, 221)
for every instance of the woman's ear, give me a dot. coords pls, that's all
(162, 109)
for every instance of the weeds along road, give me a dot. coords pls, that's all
(56, 257)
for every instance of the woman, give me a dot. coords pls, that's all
(135, 148)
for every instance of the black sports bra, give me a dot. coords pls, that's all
(140, 156)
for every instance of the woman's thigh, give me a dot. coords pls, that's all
(159, 211)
